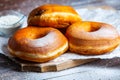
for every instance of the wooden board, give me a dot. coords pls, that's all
(49, 66)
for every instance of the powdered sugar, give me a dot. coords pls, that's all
(6, 21)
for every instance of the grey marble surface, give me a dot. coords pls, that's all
(105, 69)
(108, 69)
(25, 6)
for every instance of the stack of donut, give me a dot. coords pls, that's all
(42, 40)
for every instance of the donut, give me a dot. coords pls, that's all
(53, 15)
(92, 38)
(37, 44)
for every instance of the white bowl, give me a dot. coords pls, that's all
(10, 21)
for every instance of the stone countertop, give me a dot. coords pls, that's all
(108, 69)
(25, 6)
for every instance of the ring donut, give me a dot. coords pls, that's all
(92, 38)
(37, 44)
(53, 15)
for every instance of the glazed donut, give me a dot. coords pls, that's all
(37, 44)
(53, 15)
(92, 38)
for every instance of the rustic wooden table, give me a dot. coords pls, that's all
(108, 69)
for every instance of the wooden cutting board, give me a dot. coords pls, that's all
(52, 65)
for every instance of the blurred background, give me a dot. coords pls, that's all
(25, 6)
(90, 71)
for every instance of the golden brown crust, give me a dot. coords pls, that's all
(25, 56)
(52, 15)
(92, 38)
(37, 44)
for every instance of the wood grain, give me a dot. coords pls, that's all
(49, 66)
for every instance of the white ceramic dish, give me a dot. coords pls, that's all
(9, 26)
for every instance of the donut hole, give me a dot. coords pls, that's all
(36, 34)
(94, 28)
(39, 36)
(87, 26)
